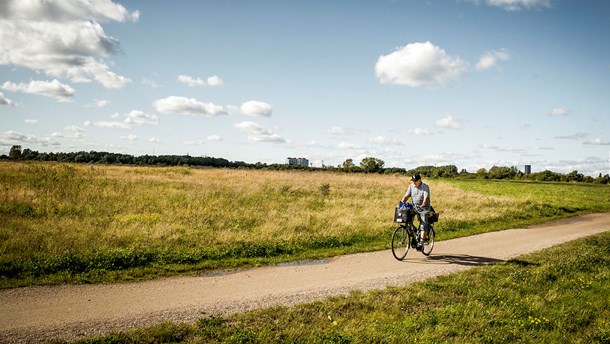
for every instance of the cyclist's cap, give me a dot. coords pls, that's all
(415, 177)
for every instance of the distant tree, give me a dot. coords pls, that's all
(394, 170)
(546, 176)
(498, 172)
(481, 173)
(372, 165)
(15, 152)
(347, 164)
(574, 176)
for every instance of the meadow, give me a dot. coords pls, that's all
(78, 223)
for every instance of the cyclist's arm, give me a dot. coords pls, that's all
(407, 194)
(423, 204)
(426, 197)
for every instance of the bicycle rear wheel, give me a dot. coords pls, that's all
(428, 243)
(401, 242)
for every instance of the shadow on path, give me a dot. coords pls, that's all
(464, 259)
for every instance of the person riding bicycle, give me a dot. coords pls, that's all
(420, 195)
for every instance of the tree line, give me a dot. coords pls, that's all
(366, 165)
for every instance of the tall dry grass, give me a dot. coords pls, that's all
(55, 216)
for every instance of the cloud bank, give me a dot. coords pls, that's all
(64, 39)
(53, 89)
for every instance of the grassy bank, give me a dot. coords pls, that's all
(85, 223)
(558, 295)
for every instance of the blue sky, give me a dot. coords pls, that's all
(472, 83)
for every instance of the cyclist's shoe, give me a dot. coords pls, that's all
(420, 245)
(414, 243)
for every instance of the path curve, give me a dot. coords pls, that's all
(74, 311)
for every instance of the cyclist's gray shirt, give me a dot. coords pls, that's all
(418, 194)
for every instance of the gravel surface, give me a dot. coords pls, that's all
(37, 314)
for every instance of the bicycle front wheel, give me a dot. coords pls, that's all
(400, 242)
(428, 243)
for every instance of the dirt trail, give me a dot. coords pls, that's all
(72, 311)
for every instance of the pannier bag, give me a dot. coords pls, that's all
(433, 215)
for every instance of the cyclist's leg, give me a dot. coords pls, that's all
(424, 225)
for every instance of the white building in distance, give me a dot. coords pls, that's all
(298, 162)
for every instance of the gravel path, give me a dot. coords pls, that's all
(36, 314)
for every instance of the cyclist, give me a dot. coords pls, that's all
(420, 194)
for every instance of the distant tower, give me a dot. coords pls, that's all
(528, 169)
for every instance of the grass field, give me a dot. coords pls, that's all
(71, 223)
(558, 295)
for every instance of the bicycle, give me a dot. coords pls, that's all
(406, 236)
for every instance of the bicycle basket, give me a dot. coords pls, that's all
(401, 214)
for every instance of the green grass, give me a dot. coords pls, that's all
(71, 223)
(558, 295)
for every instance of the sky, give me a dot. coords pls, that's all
(470, 83)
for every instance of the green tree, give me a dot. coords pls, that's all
(15, 152)
(574, 176)
(347, 164)
(498, 172)
(372, 165)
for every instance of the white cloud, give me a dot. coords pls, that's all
(74, 129)
(150, 83)
(130, 137)
(62, 38)
(559, 112)
(189, 81)
(419, 131)
(503, 149)
(381, 140)
(490, 59)
(420, 65)
(31, 121)
(214, 138)
(449, 122)
(101, 103)
(4, 101)
(213, 81)
(133, 118)
(137, 117)
(336, 131)
(11, 137)
(257, 133)
(597, 142)
(517, 5)
(53, 89)
(107, 124)
(153, 140)
(187, 106)
(256, 108)
(346, 145)
(67, 10)
(575, 136)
